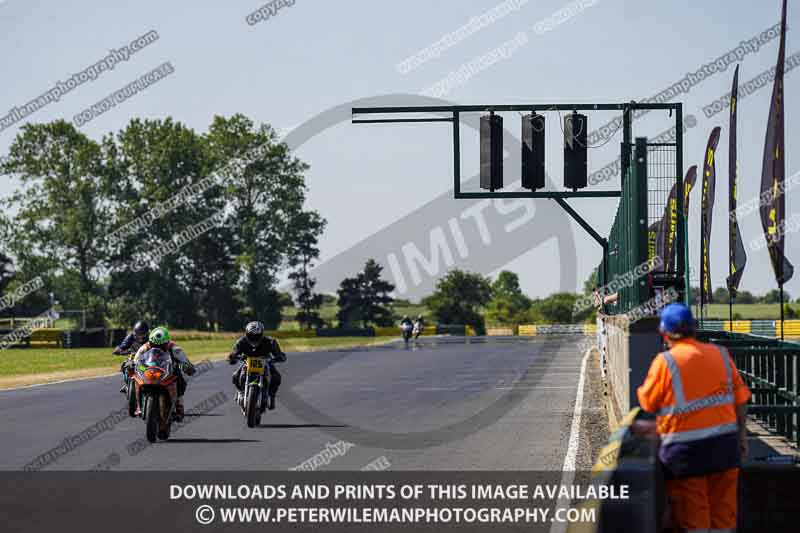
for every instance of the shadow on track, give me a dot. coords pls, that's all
(207, 441)
(299, 426)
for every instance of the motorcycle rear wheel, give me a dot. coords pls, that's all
(131, 395)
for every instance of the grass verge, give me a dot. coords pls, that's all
(28, 366)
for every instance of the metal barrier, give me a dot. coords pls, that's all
(770, 368)
(767, 493)
(627, 241)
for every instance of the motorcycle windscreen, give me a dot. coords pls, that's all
(154, 365)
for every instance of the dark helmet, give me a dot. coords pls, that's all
(141, 330)
(254, 331)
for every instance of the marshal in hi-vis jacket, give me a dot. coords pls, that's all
(693, 389)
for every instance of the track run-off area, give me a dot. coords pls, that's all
(442, 403)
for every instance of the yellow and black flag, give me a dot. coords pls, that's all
(668, 230)
(706, 214)
(655, 245)
(688, 185)
(736, 254)
(667, 227)
(773, 172)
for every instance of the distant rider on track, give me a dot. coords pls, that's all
(129, 346)
(419, 325)
(255, 344)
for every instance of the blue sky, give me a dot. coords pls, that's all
(312, 56)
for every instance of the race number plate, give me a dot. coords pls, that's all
(255, 365)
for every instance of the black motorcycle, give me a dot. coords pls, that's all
(253, 401)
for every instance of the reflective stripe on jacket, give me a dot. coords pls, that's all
(720, 399)
(693, 389)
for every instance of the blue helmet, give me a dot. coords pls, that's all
(677, 320)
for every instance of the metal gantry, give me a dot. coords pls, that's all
(627, 110)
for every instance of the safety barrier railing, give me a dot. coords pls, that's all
(770, 368)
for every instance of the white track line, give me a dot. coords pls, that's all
(568, 470)
(57, 382)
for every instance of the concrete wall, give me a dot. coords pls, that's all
(627, 349)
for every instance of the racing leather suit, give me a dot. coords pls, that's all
(129, 346)
(267, 347)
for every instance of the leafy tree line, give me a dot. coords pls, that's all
(75, 191)
(460, 297)
(721, 296)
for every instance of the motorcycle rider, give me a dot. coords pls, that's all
(406, 327)
(419, 325)
(255, 344)
(159, 338)
(129, 346)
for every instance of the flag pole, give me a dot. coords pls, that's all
(781, 291)
(730, 307)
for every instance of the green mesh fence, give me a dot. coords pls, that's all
(627, 242)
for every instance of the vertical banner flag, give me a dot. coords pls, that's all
(737, 257)
(654, 244)
(669, 221)
(773, 172)
(670, 218)
(688, 185)
(667, 230)
(706, 214)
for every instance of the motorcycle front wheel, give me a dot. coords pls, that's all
(152, 417)
(251, 410)
(166, 410)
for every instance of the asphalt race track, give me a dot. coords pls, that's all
(444, 403)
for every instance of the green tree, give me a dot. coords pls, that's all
(557, 308)
(592, 282)
(61, 212)
(265, 189)
(151, 161)
(126, 309)
(744, 297)
(75, 193)
(458, 299)
(6, 272)
(304, 251)
(774, 297)
(508, 304)
(365, 298)
(721, 295)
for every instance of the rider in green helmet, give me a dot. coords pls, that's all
(159, 338)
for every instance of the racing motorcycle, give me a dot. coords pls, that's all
(406, 328)
(156, 391)
(418, 327)
(128, 371)
(253, 401)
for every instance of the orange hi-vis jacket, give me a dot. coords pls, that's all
(693, 389)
